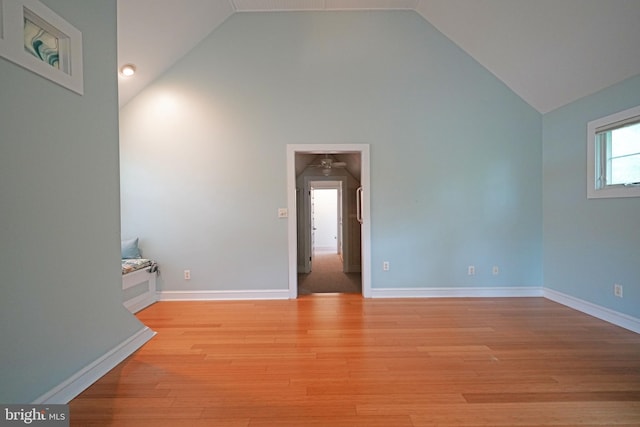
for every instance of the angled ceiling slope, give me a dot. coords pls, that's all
(549, 52)
(155, 34)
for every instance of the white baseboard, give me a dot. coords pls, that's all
(81, 380)
(493, 292)
(602, 313)
(223, 295)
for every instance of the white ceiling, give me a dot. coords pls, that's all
(549, 52)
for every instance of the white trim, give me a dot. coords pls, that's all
(613, 191)
(138, 277)
(70, 74)
(81, 380)
(292, 232)
(223, 295)
(485, 292)
(602, 313)
(134, 278)
(365, 182)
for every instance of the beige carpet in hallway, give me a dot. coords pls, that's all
(327, 277)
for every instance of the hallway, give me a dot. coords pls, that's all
(327, 277)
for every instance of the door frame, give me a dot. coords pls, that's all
(365, 183)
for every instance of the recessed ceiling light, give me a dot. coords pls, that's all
(128, 70)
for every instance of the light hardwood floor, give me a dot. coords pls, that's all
(341, 360)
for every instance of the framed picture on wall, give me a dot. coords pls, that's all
(36, 38)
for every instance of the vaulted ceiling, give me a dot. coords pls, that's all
(549, 52)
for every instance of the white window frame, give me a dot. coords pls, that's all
(594, 190)
(12, 15)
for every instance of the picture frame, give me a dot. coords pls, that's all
(36, 38)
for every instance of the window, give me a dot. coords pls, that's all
(613, 154)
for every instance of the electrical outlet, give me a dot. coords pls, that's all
(283, 213)
(385, 265)
(617, 290)
(187, 275)
(495, 270)
(471, 270)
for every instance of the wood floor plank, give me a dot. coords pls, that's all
(527, 414)
(599, 396)
(341, 360)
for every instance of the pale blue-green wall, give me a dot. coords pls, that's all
(456, 157)
(588, 244)
(61, 306)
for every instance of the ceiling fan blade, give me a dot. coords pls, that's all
(328, 163)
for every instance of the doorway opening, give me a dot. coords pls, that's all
(326, 219)
(333, 267)
(329, 235)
